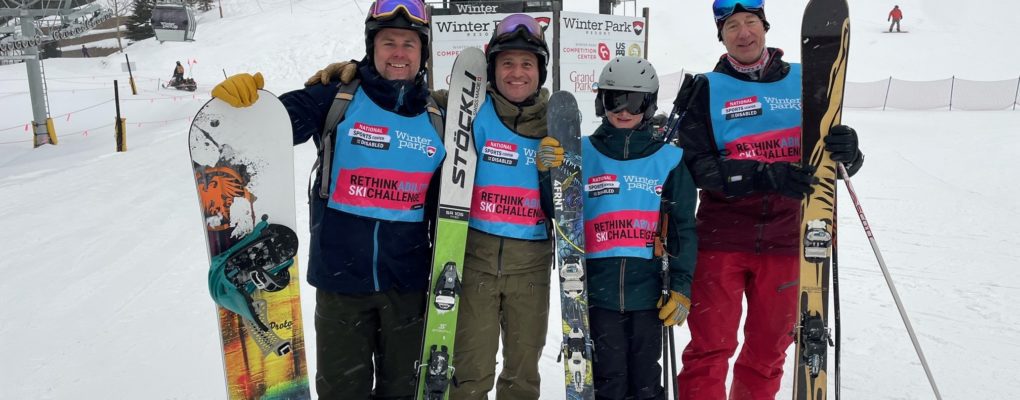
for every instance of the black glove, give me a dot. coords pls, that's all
(841, 143)
(787, 179)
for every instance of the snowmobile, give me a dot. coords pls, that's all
(182, 84)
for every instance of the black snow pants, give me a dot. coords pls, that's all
(628, 347)
(361, 339)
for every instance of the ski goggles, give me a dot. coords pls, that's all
(634, 103)
(414, 10)
(725, 8)
(518, 24)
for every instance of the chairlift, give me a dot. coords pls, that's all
(172, 21)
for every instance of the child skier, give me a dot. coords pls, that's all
(633, 182)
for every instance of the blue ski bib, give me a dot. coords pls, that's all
(505, 201)
(622, 201)
(757, 121)
(384, 162)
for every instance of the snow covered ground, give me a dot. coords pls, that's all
(105, 43)
(102, 253)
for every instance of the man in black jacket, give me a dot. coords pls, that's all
(741, 141)
(370, 251)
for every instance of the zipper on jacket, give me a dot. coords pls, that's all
(517, 118)
(623, 267)
(626, 146)
(400, 98)
(761, 223)
(499, 259)
(375, 255)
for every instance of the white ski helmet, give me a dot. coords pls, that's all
(629, 74)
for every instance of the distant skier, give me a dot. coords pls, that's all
(178, 75)
(895, 16)
(84, 51)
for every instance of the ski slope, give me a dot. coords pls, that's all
(104, 262)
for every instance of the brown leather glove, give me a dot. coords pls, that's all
(344, 70)
(550, 154)
(673, 309)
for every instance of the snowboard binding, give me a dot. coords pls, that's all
(260, 261)
(267, 340)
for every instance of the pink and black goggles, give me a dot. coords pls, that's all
(414, 10)
(515, 23)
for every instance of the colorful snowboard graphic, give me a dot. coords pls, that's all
(244, 174)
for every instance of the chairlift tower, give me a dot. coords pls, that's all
(21, 30)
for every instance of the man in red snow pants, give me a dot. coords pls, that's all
(741, 141)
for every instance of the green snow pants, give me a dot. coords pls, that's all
(515, 305)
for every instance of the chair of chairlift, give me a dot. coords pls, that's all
(172, 21)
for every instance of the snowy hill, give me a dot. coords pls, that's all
(104, 260)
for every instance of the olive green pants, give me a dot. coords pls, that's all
(516, 306)
(361, 339)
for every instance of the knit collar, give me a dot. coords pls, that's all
(754, 68)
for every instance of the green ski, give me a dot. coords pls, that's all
(467, 92)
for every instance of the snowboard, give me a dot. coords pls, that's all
(242, 160)
(467, 93)
(825, 42)
(564, 122)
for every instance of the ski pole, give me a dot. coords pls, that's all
(835, 302)
(668, 341)
(888, 279)
(665, 364)
(667, 331)
(672, 365)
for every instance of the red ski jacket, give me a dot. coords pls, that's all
(895, 15)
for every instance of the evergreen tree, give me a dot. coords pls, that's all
(205, 5)
(138, 25)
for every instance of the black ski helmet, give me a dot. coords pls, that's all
(399, 14)
(518, 32)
